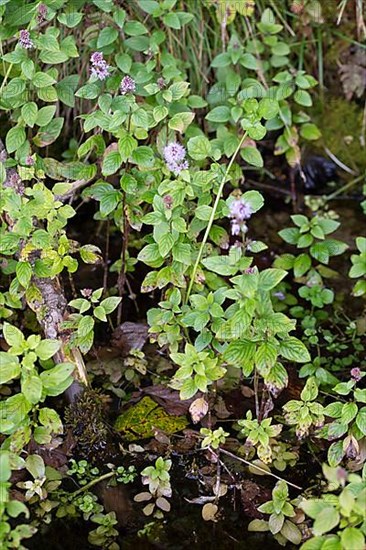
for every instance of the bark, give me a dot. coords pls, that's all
(52, 310)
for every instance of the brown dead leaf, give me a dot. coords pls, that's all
(247, 392)
(209, 512)
(198, 409)
(221, 410)
(169, 399)
(130, 336)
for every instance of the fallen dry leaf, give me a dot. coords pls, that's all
(198, 409)
(209, 511)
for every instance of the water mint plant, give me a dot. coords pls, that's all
(159, 262)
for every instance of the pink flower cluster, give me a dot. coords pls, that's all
(25, 40)
(239, 212)
(175, 157)
(128, 85)
(99, 67)
(42, 13)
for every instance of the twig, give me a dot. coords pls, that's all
(228, 453)
(339, 162)
(51, 310)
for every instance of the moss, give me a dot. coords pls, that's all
(93, 437)
(340, 122)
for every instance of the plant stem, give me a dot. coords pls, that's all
(212, 217)
(92, 483)
(344, 188)
(223, 451)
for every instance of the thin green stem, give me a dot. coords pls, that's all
(92, 483)
(344, 188)
(6, 78)
(212, 217)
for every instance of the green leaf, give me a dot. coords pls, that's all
(165, 244)
(199, 148)
(220, 265)
(203, 212)
(325, 521)
(361, 420)
(240, 353)
(310, 391)
(265, 357)
(13, 336)
(31, 387)
(9, 367)
(178, 90)
(12, 412)
(290, 235)
(126, 145)
(310, 132)
(111, 163)
(35, 466)
(15, 87)
(45, 115)
(43, 80)
(70, 19)
(150, 255)
(294, 350)
(124, 62)
(99, 313)
(107, 36)
(254, 199)
(252, 156)
(88, 91)
(24, 273)
(91, 254)
(181, 121)
(303, 98)
(219, 114)
(29, 113)
(5, 470)
(138, 43)
(56, 380)
(110, 304)
(15, 139)
(352, 538)
(172, 20)
(221, 60)
(47, 348)
(249, 61)
(291, 532)
(160, 112)
(269, 278)
(135, 28)
(302, 264)
(49, 133)
(268, 108)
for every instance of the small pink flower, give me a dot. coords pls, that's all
(24, 40)
(356, 374)
(29, 161)
(86, 292)
(239, 212)
(42, 13)
(99, 68)
(174, 156)
(168, 202)
(128, 85)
